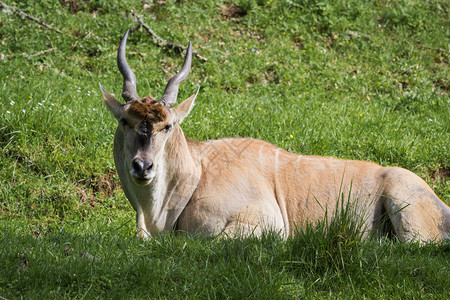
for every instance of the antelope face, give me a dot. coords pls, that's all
(145, 124)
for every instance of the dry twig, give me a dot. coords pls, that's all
(161, 42)
(42, 52)
(25, 15)
(435, 49)
(355, 34)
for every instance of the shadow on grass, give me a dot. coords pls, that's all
(328, 259)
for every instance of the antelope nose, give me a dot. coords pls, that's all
(142, 168)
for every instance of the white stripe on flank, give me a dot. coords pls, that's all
(297, 162)
(277, 152)
(261, 157)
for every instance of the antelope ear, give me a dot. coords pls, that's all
(114, 106)
(185, 107)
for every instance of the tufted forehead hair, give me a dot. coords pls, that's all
(147, 109)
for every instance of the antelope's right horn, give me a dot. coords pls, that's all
(129, 79)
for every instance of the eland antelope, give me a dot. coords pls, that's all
(245, 186)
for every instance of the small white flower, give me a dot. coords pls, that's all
(8, 112)
(12, 102)
(24, 111)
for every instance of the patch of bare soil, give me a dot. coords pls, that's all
(104, 184)
(441, 173)
(74, 5)
(232, 11)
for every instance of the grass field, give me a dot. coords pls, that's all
(353, 79)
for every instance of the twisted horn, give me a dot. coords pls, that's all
(129, 80)
(170, 93)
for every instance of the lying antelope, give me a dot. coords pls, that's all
(246, 186)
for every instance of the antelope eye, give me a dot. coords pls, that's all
(167, 127)
(123, 122)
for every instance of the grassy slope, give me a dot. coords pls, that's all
(354, 79)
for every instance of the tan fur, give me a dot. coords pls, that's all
(245, 186)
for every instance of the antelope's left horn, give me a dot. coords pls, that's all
(171, 91)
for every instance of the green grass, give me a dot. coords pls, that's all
(353, 79)
(103, 264)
